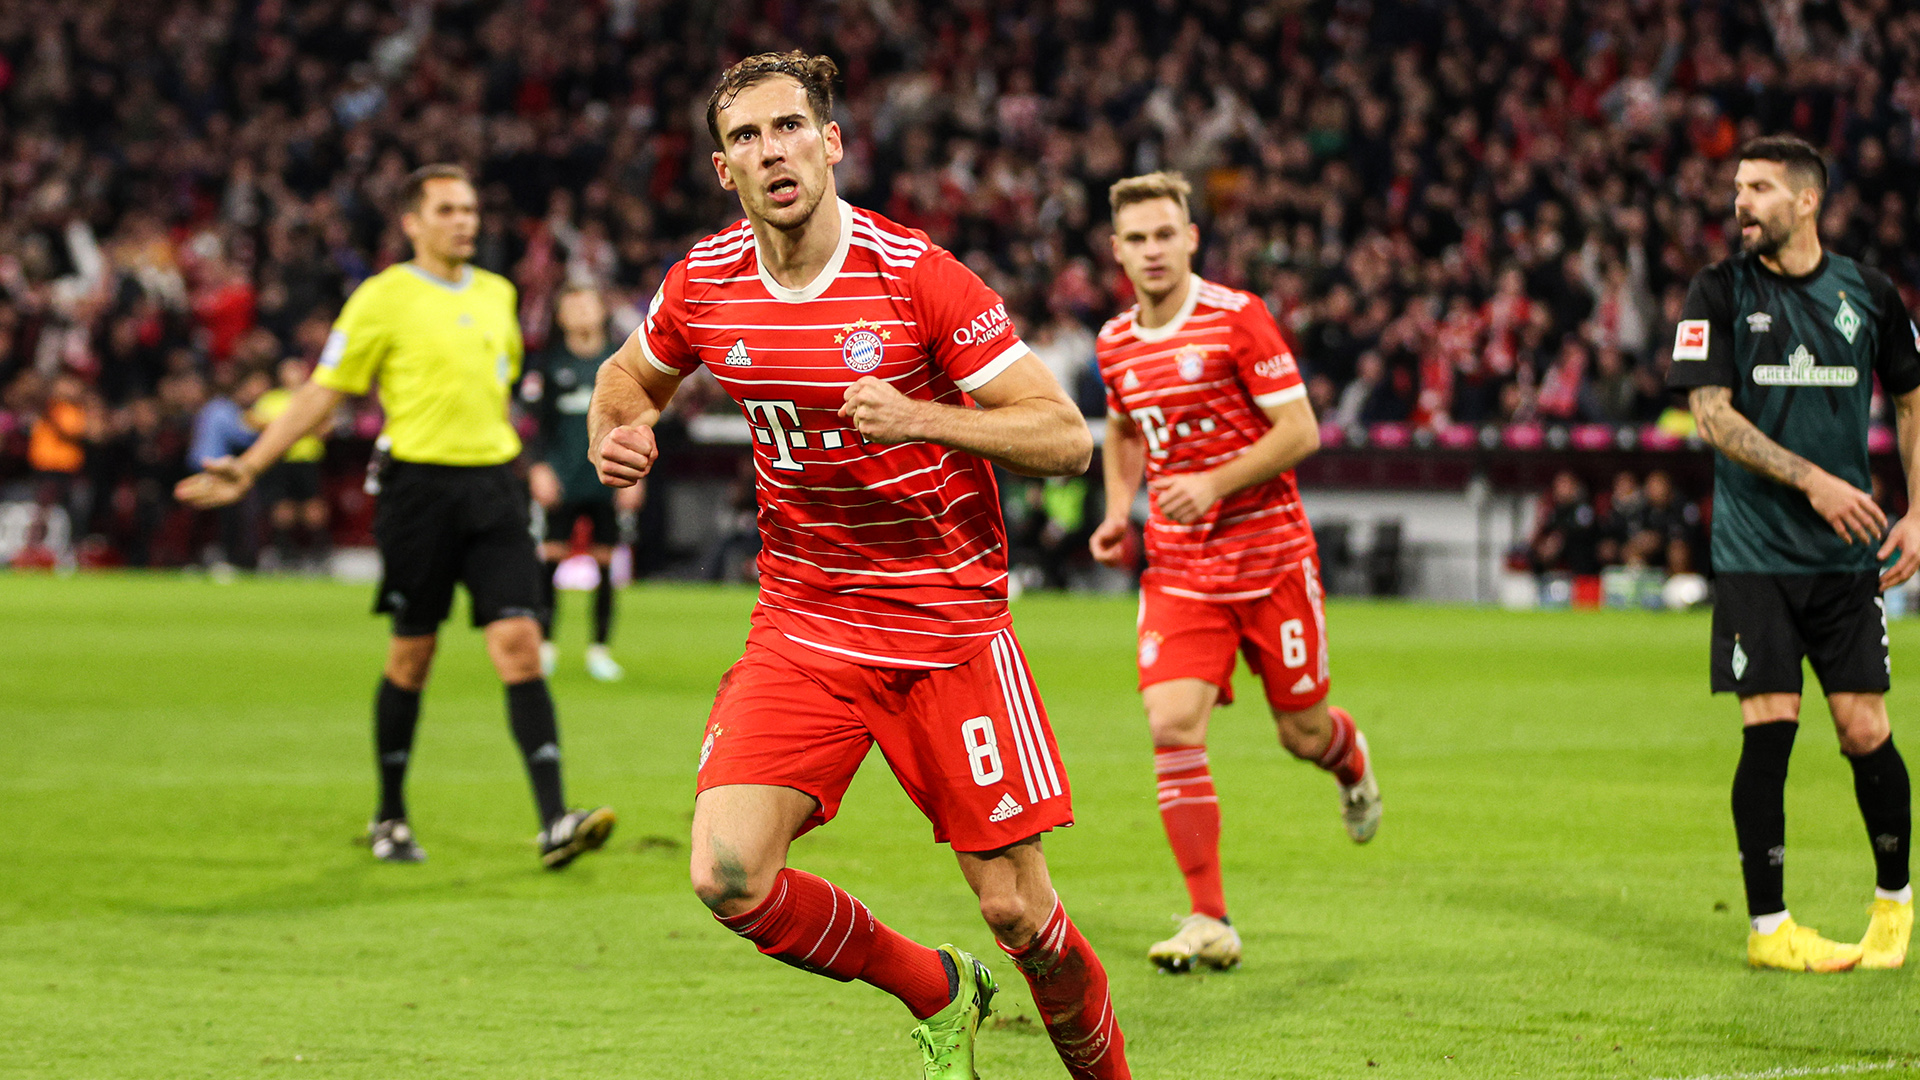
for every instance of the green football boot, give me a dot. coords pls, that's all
(946, 1037)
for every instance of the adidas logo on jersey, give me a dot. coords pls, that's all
(1132, 381)
(1304, 685)
(1006, 809)
(737, 356)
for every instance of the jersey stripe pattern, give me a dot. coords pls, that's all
(890, 556)
(1196, 388)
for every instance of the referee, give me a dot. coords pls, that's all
(1778, 347)
(443, 338)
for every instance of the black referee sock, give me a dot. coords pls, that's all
(396, 712)
(548, 599)
(603, 607)
(1760, 814)
(1886, 802)
(530, 714)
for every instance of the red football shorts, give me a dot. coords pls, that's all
(1282, 634)
(970, 744)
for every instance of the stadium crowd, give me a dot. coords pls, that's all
(1466, 213)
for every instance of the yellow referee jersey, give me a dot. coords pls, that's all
(272, 404)
(445, 354)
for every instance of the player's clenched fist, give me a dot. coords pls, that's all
(1186, 497)
(625, 455)
(881, 413)
(1109, 543)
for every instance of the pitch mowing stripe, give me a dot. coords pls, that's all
(1809, 1070)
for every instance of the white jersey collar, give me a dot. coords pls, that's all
(827, 274)
(1173, 325)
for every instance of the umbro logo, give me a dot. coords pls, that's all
(1759, 322)
(1304, 685)
(1006, 809)
(737, 356)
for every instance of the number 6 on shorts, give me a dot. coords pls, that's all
(983, 750)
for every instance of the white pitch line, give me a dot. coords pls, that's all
(1810, 1070)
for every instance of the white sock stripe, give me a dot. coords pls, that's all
(1191, 781)
(1214, 799)
(853, 921)
(1023, 682)
(831, 918)
(1019, 737)
(778, 899)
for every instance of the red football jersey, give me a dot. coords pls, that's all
(886, 555)
(1196, 388)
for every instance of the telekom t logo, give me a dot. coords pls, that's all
(776, 425)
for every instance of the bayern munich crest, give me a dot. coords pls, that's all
(1190, 363)
(861, 344)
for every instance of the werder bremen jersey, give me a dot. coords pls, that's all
(1800, 355)
(559, 390)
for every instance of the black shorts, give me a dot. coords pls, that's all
(441, 524)
(290, 481)
(1764, 624)
(606, 525)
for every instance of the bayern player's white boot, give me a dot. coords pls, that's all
(1360, 802)
(1201, 939)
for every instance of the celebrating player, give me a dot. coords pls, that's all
(856, 347)
(443, 337)
(1779, 346)
(562, 478)
(1205, 400)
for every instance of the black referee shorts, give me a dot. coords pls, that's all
(441, 524)
(290, 481)
(561, 519)
(1764, 624)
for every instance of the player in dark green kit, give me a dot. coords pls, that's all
(563, 480)
(1779, 347)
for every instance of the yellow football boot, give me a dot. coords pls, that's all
(1793, 947)
(1885, 945)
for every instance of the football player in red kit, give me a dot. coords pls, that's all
(857, 350)
(1205, 402)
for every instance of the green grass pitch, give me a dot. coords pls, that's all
(1553, 892)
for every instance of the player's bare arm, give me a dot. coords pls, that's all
(1025, 422)
(1294, 436)
(1123, 461)
(1904, 537)
(628, 394)
(1852, 512)
(226, 479)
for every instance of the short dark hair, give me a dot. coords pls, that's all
(1803, 163)
(415, 189)
(815, 74)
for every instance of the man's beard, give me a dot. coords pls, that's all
(1768, 243)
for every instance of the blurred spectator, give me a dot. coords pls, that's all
(1567, 539)
(291, 490)
(1667, 530)
(1624, 518)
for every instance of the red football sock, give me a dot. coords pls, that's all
(1191, 812)
(817, 926)
(1343, 757)
(1070, 990)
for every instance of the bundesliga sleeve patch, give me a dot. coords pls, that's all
(1690, 340)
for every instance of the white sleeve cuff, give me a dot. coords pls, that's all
(1281, 397)
(993, 367)
(647, 351)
